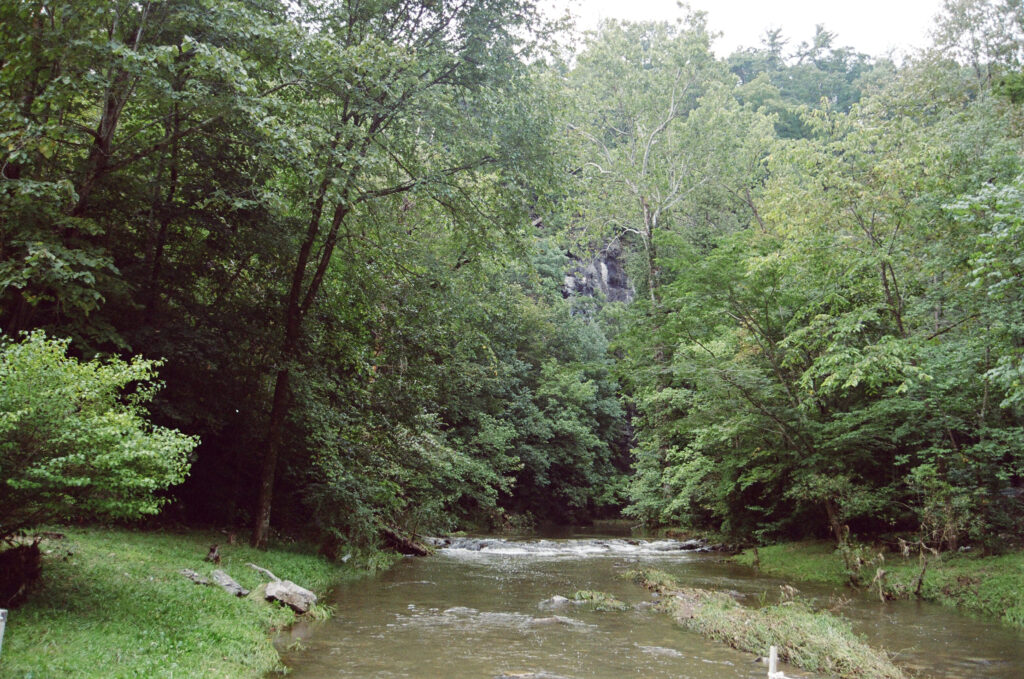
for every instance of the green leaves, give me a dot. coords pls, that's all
(73, 445)
(996, 215)
(852, 340)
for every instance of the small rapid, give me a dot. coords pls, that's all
(567, 549)
(487, 607)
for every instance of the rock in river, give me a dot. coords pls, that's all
(554, 602)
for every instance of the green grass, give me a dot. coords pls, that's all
(816, 641)
(112, 604)
(984, 585)
(811, 561)
(992, 586)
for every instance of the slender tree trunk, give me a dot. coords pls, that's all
(648, 238)
(301, 296)
(119, 91)
(295, 308)
(833, 522)
(894, 304)
(152, 292)
(272, 450)
(282, 398)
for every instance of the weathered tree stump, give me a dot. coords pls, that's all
(404, 544)
(19, 567)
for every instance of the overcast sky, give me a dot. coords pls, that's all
(871, 26)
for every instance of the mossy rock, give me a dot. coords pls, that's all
(600, 600)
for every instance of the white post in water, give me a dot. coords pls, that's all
(773, 664)
(3, 624)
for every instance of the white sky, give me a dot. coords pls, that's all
(871, 26)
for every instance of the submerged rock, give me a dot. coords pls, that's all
(661, 650)
(622, 548)
(469, 544)
(554, 602)
(554, 620)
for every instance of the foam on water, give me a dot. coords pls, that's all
(484, 547)
(470, 619)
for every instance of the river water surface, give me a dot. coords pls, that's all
(481, 609)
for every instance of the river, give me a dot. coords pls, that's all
(482, 610)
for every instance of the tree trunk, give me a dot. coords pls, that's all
(648, 239)
(272, 450)
(404, 544)
(166, 206)
(895, 305)
(833, 522)
(294, 312)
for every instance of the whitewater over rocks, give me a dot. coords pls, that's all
(576, 548)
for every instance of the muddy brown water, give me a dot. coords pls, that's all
(483, 610)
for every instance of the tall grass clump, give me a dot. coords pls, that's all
(816, 641)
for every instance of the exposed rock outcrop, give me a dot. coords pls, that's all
(603, 273)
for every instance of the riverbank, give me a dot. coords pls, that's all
(983, 585)
(111, 603)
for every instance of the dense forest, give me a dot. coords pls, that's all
(339, 268)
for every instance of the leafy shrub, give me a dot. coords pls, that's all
(74, 438)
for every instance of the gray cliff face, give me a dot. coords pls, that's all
(603, 273)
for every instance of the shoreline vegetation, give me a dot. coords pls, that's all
(817, 641)
(112, 603)
(991, 586)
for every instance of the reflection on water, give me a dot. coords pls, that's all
(490, 608)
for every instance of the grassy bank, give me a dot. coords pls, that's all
(985, 585)
(816, 641)
(111, 603)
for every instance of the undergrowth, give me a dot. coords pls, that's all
(112, 604)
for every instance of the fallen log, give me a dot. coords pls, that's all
(404, 544)
(264, 571)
